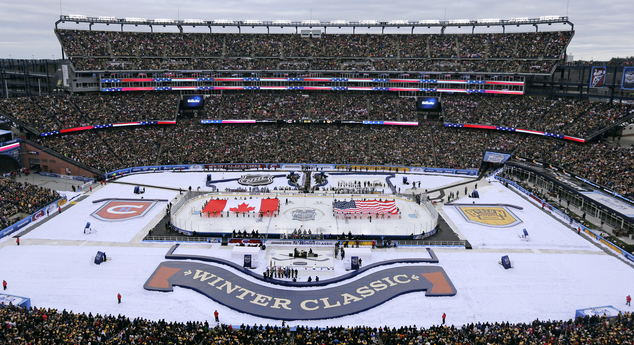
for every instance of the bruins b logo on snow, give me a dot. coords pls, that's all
(498, 216)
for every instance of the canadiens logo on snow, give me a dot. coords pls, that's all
(113, 211)
(255, 180)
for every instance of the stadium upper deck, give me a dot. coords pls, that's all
(534, 52)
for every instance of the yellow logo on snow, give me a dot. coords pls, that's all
(492, 216)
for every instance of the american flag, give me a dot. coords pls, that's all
(366, 206)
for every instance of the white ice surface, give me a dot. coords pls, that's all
(185, 180)
(544, 231)
(554, 274)
(71, 223)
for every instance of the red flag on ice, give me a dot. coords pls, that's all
(250, 205)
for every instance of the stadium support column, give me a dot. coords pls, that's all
(308, 180)
(613, 84)
(551, 89)
(433, 149)
(581, 84)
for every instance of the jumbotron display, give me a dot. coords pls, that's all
(431, 104)
(193, 102)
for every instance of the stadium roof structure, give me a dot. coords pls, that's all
(443, 24)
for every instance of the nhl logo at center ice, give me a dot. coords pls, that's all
(255, 180)
(304, 214)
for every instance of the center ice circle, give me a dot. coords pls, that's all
(303, 214)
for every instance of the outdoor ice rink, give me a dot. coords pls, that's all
(414, 218)
(556, 272)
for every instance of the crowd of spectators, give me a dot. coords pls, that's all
(17, 197)
(191, 142)
(328, 64)
(548, 44)
(588, 330)
(46, 113)
(132, 107)
(423, 145)
(84, 147)
(95, 50)
(311, 105)
(427, 145)
(602, 163)
(50, 326)
(56, 112)
(560, 116)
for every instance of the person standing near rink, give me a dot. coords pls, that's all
(119, 298)
(628, 299)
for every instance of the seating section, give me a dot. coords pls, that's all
(297, 106)
(561, 116)
(21, 198)
(424, 145)
(513, 52)
(57, 112)
(429, 146)
(53, 326)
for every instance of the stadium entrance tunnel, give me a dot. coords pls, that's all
(8, 164)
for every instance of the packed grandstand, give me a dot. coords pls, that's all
(30, 326)
(430, 144)
(514, 52)
(335, 134)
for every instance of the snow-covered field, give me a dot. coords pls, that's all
(556, 272)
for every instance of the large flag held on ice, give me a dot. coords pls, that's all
(250, 205)
(366, 206)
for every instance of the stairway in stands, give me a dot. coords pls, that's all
(307, 180)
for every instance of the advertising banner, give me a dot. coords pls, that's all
(495, 157)
(247, 261)
(628, 78)
(597, 76)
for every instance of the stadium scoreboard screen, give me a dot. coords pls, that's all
(192, 102)
(429, 104)
(429, 108)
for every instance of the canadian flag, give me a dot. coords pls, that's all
(250, 205)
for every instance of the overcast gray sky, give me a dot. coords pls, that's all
(603, 28)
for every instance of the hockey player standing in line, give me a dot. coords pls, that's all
(628, 299)
(17, 241)
(119, 298)
(4, 285)
(444, 316)
(216, 316)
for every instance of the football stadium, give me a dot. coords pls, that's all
(311, 187)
